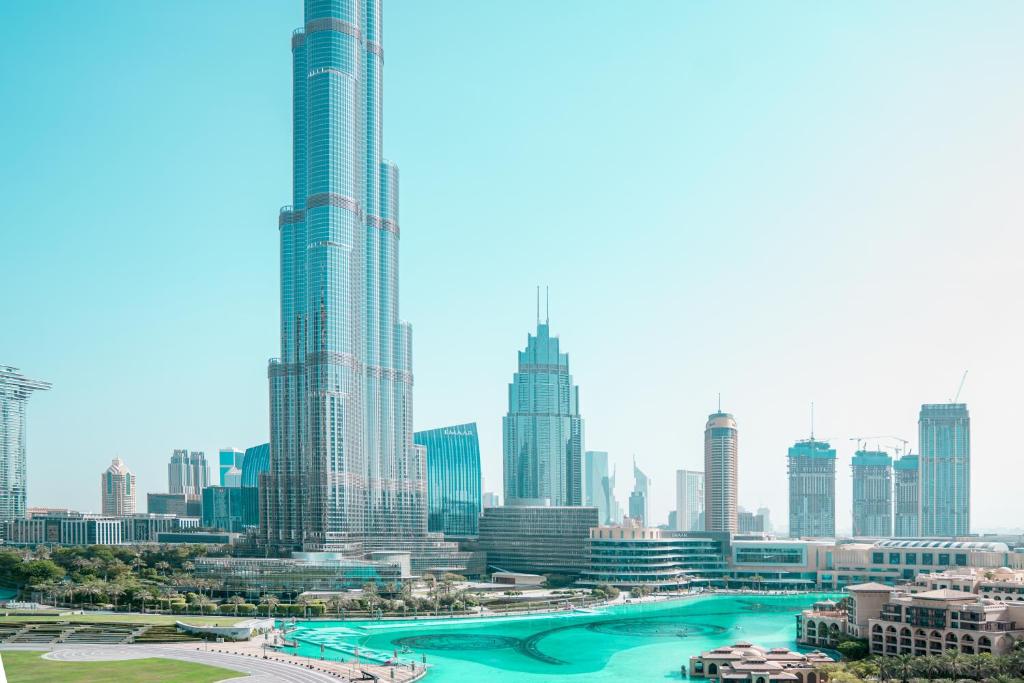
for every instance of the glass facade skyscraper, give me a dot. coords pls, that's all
(255, 463)
(15, 389)
(599, 486)
(639, 499)
(872, 494)
(721, 473)
(944, 464)
(908, 496)
(453, 479)
(226, 459)
(543, 431)
(343, 469)
(812, 489)
(689, 500)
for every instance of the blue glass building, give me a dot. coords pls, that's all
(230, 508)
(255, 463)
(226, 459)
(543, 431)
(872, 494)
(944, 469)
(453, 479)
(343, 472)
(908, 496)
(15, 389)
(812, 489)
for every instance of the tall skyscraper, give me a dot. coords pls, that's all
(639, 499)
(944, 431)
(689, 500)
(721, 473)
(812, 489)
(908, 497)
(226, 459)
(766, 515)
(872, 494)
(344, 473)
(597, 489)
(117, 490)
(15, 389)
(188, 473)
(453, 479)
(255, 463)
(543, 431)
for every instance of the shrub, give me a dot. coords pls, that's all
(853, 649)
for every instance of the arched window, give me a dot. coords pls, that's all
(712, 669)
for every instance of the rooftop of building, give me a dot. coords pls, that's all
(870, 587)
(981, 546)
(871, 459)
(811, 448)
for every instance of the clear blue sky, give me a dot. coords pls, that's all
(784, 202)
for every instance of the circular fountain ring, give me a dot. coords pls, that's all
(456, 641)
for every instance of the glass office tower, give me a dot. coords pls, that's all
(872, 494)
(226, 459)
(15, 389)
(944, 465)
(812, 489)
(543, 431)
(689, 500)
(255, 463)
(908, 519)
(596, 483)
(453, 479)
(721, 473)
(343, 471)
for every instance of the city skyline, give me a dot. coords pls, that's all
(934, 243)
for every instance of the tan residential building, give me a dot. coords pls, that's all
(117, 490)
(934, 621)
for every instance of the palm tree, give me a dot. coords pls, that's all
(271, 601)
(236, 600)
(115, 589)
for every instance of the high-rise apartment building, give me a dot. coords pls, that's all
(689, 500)
(188, 473)
(344, 474)
(872, 494)
(453, 479)
(598, 485)
(766, 515)
(908, 497)
(15, 389)
(638, 507)
(721, 473)
(812, 489)
(543, 431)
(639, 499)
(226, 459)
(117, 490)
(944, 432)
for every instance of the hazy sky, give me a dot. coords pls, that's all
(784, 202)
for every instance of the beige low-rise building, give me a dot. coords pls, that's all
(1002, 584)
(933, 621)
(748, 662)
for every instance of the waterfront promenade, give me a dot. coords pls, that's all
(246, 657)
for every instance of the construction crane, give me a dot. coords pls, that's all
(959, 388)
(862, 439)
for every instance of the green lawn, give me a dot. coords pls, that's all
(28, 667)
(223, 620)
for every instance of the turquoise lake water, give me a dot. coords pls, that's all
(645, 642)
